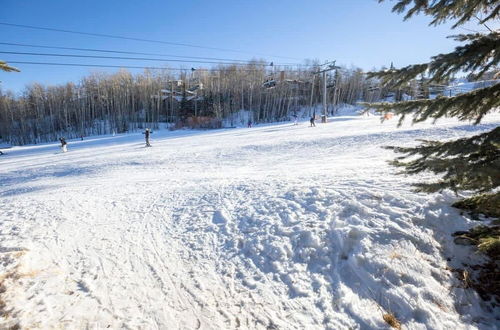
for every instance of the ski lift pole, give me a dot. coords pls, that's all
(325, 107)
(312, 94)
(329, 67)
(172, 100)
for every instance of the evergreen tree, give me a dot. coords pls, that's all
(186, 108)
(7, 68)
(468, 164)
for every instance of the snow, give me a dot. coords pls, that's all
(271, 227)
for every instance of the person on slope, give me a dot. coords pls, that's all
(249, 123)
(295, 119)
(146, 133)
(64, 144)
(312, 121)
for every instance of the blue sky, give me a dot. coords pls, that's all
(354, 32)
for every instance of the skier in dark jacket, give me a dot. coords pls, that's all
(64, 144)
(146, 133)
(312, 121)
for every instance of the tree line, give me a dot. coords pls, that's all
(103, 103)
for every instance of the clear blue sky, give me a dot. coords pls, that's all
(354, 32)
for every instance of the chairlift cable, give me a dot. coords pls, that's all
(136, 39)
(135, 67)
(139, 53)
(123, 58)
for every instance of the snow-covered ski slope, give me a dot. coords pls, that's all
(272, 227)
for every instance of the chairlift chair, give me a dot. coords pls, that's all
(269, 83)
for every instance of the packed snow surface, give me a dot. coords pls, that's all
(271, 227)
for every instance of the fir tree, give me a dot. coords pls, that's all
(186, 107)
(468, 164)
(7, 68)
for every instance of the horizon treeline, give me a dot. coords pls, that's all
(104, 103)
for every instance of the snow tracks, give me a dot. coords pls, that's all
(274, 227)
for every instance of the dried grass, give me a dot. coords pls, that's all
(390, 319)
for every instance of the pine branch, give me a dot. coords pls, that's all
(488, 204)
(482, 53)
(465, 164)
(442, 10)
(397, 78)
(7, 68)
(478, 56)
(473, 105)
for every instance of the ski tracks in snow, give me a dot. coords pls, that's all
(280, 227)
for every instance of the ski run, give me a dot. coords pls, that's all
(278, 226)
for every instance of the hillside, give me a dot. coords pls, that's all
(276, 226)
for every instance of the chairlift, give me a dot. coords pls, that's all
(269, 83)
(196, 87)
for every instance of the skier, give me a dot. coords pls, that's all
(64, 144)
(146, 136)
(295, 119)
(249, 123)
(312, 121)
